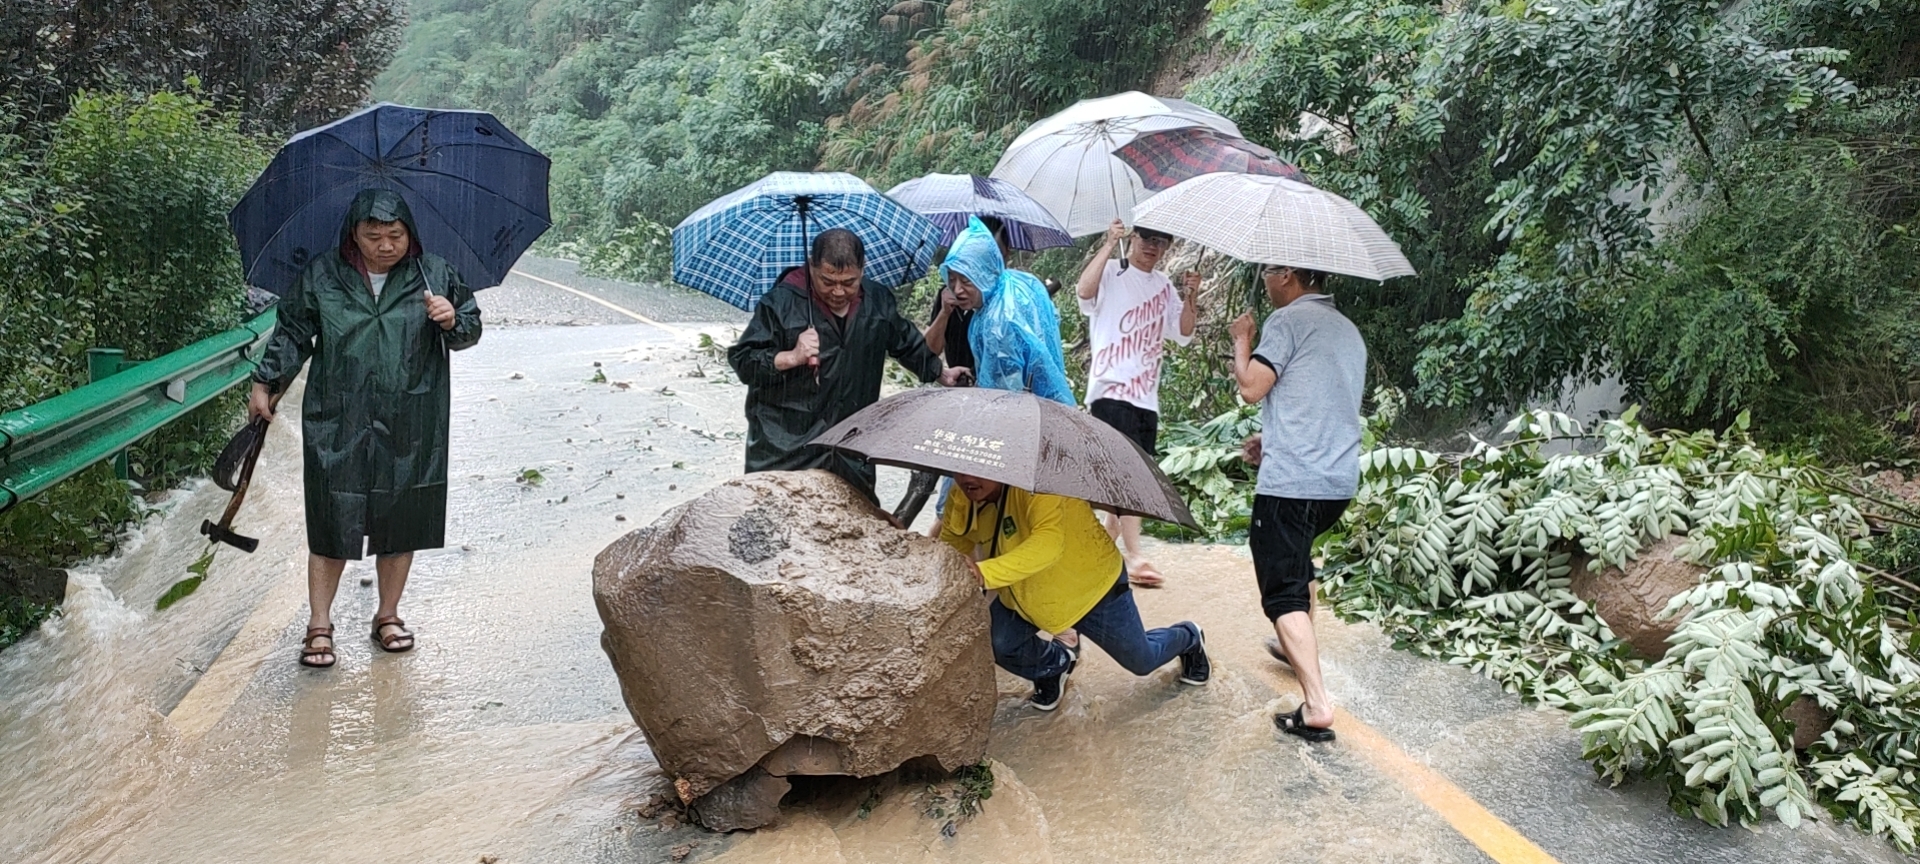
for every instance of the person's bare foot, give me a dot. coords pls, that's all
(1144, 575)
(1068, 637)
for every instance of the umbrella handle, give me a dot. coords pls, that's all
(803, 203)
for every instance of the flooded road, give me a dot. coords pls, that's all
(191, 735)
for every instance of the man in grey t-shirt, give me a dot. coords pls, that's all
(1308, 374)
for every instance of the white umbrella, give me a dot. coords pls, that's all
(1066, 161)
(1274, 220)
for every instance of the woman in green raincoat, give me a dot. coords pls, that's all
(377, 318)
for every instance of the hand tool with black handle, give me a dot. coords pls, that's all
(233, 471)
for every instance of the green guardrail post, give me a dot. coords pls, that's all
(106, 363)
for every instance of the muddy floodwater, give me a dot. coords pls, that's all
(191, 735)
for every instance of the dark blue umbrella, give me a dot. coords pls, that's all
(736, 247)
(478, 193)
(951, 199)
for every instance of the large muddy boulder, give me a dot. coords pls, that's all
(1630, 600)
(779, 625)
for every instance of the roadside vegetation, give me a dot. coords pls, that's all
(125, 137)
(1474, 559)
(115, 236)
(1716, 210)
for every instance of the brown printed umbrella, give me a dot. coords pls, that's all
(1163, 159)
(1014, 438)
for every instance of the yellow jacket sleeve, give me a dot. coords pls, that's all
(1045, 543)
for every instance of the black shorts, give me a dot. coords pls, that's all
(1281, 539)
(1138, 424)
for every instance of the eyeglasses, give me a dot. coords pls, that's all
(1273, 270)
(1154, 242)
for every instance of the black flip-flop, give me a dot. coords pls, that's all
(1296, 724)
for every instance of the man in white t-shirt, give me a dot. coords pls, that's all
(1132, 312)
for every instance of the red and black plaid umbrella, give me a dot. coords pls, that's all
(1164, 159)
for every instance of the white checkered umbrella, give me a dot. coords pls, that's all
(1274, 220)
(1066, 161)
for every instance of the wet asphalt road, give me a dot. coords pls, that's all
(522, 302)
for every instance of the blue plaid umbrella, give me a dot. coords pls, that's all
(736, 247)
(478, 193)
(950, 199)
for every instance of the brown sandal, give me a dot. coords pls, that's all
(391, 642)
(308, 650)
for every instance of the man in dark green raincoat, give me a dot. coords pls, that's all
(378, 318)
(814, 354)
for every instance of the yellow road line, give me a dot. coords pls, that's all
(615, 307)
(1481, 828)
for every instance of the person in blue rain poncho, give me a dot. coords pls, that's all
(1014, 334)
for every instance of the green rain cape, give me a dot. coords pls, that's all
(374, 417)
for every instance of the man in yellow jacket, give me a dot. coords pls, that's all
(1054, 566)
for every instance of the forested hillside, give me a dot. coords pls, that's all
(650, 108)
(1716, 207)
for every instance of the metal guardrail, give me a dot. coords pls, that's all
(47, 442)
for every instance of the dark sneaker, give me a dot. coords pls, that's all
(1195, 668)
(1047, 692)
(1073, 651)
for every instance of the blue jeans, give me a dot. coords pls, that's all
(1113, 624)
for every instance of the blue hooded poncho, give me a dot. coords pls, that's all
(1016, 334)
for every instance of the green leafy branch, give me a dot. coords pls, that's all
(1467, 558)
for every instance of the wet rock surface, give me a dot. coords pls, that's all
(751, 800)
(1809, 720)
(778, 625)
(1630, 600)
(1896, 485)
